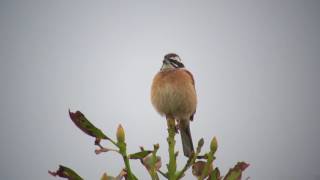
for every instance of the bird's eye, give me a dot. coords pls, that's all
(175, 63)
(176, 58)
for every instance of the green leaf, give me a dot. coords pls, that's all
(86, 126)
(139, 155)
(235, 173)
(66, 172)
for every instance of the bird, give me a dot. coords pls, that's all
(173, 95)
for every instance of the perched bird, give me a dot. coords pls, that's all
(173, 95)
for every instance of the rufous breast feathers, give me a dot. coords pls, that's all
(173, 93)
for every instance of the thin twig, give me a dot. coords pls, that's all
(191, 159)
(162, 173)
(189, 163)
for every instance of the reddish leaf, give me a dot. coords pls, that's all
(66, 172)
(86, 126)
(235, 173)
(139, 155)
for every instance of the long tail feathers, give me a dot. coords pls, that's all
(186, 138)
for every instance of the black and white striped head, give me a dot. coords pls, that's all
(171, 61)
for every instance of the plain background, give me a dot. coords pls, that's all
(256, 66)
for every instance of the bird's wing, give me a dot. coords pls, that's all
(191, 76)
(193, 83)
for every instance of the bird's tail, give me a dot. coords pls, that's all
(186, 137)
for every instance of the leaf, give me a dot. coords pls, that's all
(139, 155)
(148, 162)
(86, 126)
(66, 172)
(198, 168)
(235, 173)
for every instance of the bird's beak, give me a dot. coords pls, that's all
(165, 62)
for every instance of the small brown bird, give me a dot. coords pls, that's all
(173, 95)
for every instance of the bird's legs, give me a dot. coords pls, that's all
(177, 127)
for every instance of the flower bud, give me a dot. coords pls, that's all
(200, 142)
(120, 134)
(213, 145)
(104, 176)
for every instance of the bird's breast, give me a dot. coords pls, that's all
(173, 94)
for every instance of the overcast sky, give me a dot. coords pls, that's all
(256, 66)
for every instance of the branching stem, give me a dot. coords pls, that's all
(206, 169)
(153, 171)
(189, 163)
(123, 151)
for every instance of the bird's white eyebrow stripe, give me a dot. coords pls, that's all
(175, 58)
(176, 63)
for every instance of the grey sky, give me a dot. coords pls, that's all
(256, 66)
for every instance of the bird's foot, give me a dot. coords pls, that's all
(176, 128)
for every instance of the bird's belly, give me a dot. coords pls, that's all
(176, 101)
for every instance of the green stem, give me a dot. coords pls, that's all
(189, 163)
(123, 151)
(153, 171)
(113, 142)
(172, 167)
(154, 175)
(205, 172)
(191, 159)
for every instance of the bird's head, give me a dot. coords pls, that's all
(171, 61)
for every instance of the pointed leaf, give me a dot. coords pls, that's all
(235, 173)
(66, 172)
(139, 155)
(86, 126)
